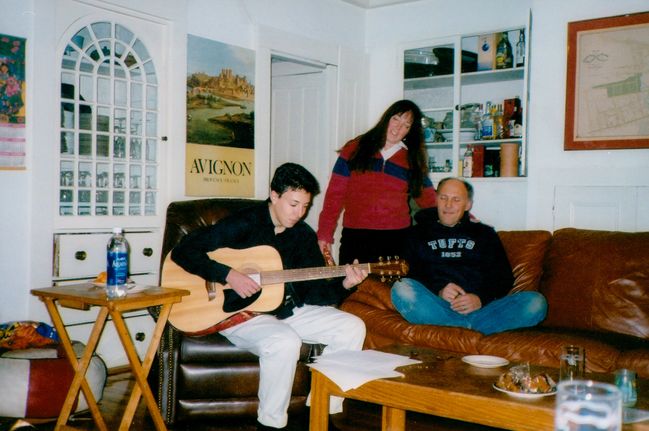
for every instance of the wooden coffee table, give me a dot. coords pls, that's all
(445, 386)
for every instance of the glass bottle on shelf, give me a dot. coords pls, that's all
(520, 49)
(476, 118)
(467, 162)
(504, 55)
(486, 124)
(517, 121)
(498, 123)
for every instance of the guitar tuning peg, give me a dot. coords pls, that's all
(396, 257)
(380, 259)
(383, 279)
(389, 258)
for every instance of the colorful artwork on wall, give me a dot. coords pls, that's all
(220, 119)
(12, 102)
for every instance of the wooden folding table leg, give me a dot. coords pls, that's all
(141, 370)
(79, 366)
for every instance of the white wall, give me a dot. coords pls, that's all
(16, 20)
(548, 165)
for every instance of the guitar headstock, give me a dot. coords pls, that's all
(390, 269)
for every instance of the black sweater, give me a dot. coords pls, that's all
(297, 247)
(468, 254)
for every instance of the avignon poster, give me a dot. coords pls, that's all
(220, 119)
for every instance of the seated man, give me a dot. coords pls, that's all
(305, 315)
(459, 272)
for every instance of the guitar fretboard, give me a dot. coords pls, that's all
(304, 274)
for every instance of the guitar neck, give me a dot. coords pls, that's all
(304, 274)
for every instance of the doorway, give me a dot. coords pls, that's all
(302, 119)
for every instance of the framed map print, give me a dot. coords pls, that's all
(607, 88)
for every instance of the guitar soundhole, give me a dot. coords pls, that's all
(233, 302)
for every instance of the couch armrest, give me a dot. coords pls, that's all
(163, 375)
(526, 250)
(373, 292)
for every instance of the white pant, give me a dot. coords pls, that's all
(278, 342)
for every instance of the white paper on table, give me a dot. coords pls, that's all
(351, 369)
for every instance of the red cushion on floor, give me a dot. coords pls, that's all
(35, 382)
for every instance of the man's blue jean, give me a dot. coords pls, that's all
(419, 305)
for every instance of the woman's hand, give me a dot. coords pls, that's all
(325, 249)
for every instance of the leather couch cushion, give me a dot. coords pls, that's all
(525, 251)
(608, 278)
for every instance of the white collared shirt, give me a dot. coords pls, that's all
(386, 154)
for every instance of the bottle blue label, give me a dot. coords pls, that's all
(117, 270)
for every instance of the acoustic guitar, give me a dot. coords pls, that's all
(210, 303)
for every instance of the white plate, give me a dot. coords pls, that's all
(525, 395)
(485, 361)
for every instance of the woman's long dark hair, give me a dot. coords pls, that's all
(374, 139)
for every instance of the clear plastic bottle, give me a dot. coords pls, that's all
(117, 264)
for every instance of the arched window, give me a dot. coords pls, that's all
(109, 124)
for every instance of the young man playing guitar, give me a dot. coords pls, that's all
(307, 312)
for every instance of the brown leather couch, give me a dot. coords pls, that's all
(206, 377)
(597, 287)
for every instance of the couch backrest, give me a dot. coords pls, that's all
(526, 250)
(598, 280)
(185, 216)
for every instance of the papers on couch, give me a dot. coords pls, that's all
(351, 369)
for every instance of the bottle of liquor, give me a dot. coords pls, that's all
(504, 55)
(498, 123)
(517, 120)
(486, 124)
(117, 264)
(467, 162)
(520, 49)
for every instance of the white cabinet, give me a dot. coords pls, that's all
(79, 257)
(452, 80)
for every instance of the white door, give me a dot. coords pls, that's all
(301, 120)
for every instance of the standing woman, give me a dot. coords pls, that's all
(373, 180)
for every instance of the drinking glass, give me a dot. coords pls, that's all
(572, 365)
(585, 405)
(625, 381)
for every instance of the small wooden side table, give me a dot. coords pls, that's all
(82, 297)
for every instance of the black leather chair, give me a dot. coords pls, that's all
(206, 377)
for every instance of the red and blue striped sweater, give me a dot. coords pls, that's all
(374, 199)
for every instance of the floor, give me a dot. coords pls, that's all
(358, 416)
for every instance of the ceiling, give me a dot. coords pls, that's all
(371, 4)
